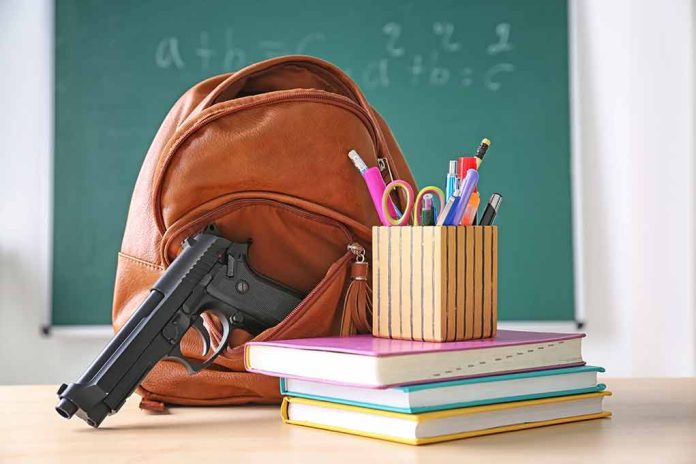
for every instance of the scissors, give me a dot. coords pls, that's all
(413, 206)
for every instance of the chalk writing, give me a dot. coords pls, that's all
(440, 62)
(502, 30)
(445, 31)
(466, 79)
(204, 52)
(304, 43)
(376, 74)
(167, 54)
(393, 32)
(439, 75)
(416, 69)
(491, 79)
(234, 57)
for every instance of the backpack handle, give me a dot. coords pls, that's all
(291, 72)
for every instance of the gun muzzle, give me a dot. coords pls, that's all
(66, 408)
(93, 410)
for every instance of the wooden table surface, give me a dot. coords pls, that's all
(654, 421)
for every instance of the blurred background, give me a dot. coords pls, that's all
(590, 105)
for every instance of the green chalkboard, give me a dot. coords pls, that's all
(443, 73)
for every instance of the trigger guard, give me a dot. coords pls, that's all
(192, 366)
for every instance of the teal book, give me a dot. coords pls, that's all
(453, 394)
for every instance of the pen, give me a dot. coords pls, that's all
(451, 179)
(467, 188)
(427, 213)
(481, 151)
(444, 214)
(375, 185)
(491, 210)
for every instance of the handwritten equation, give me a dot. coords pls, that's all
(421, 69)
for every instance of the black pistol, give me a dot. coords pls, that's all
(210, 275)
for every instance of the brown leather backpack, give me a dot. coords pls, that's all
(262, 153)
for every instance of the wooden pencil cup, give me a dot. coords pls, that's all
(435, 283)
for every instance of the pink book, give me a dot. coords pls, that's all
(366, 361)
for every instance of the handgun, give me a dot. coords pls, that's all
(211, 275)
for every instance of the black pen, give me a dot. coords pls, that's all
(491, 210)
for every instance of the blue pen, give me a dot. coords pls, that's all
(467, 188)
(456, 198)
(449, 207)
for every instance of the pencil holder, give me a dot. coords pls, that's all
(435, 283)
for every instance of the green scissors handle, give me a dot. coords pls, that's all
(413, 205)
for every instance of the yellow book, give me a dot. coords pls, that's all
(437, 426)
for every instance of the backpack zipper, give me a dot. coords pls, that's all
(383, 164)
(210, 216)
(216, 113)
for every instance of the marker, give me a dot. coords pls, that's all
(469, 218)
(481, 151)
(451, 179)
(375, 185)
(491, 210)
(464, 164)
(467, 188)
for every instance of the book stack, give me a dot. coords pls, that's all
(419, 392)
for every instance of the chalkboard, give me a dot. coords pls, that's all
(443, 73)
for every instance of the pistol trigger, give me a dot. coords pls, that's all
(226, 329)
(203, 332)
(224, 337)
(193, 366)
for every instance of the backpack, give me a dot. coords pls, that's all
(262, 154)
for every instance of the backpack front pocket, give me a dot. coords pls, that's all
(226, 381)
(296, 246)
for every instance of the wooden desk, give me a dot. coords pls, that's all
(654, 421)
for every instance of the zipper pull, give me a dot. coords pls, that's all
(357, 305)
(383, 165)
(358, 250)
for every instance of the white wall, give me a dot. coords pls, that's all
(26, 28)
(636, 92)
(635, 80)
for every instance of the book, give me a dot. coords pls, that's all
(363, 360)
(432, 427)
(454, 393)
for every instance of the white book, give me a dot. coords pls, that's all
(455, 393)
(366, 361)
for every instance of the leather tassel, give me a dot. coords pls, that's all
(357, 306)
